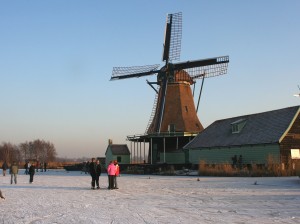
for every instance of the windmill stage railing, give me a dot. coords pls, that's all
(152, 112)
(147, 137)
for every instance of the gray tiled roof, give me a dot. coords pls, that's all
(261, 128)
(119, 149)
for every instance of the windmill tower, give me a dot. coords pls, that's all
(174, 119)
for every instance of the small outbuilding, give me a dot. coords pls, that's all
(255, 139)
(118, 152)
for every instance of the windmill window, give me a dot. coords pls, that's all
(171, 127)
(186, 109)
(237, 126)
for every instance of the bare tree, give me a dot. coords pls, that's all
(37, 149)
(5, 151)
(24, 150)
(31, 150)
(43, 151)
(50, 152)
(15, 154)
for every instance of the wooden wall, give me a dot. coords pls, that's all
(255, 154)
(290, 141)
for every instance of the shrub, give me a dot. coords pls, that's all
(271, 168)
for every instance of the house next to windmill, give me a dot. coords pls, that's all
(118, 152)
(256, 137)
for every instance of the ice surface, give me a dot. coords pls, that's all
(65, 197)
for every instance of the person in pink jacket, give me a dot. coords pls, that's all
(117, 174)
(111, 171)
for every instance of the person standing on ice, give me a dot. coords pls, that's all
(14, 169)
(116, 175)
(31, 173)
(1, 195)
(4, 168)
(111, 171)
(93, 173)
(45, 166)
(37, 166)
(98, 173)
(26, 168)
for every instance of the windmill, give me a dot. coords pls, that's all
(174, 109)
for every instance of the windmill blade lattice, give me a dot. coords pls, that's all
(208, 67)
(173, 35)
(133, 71)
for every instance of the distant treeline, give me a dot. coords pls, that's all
(38, 150)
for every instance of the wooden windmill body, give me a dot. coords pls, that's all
(174, 121)
(179, 114)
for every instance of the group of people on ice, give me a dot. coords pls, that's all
(37, 165)
(95, 172)
(14, 170)
(94, 169)
(32, 168)
(113, 171)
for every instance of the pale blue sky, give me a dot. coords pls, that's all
(56, 59)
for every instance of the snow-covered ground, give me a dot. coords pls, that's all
(66, 197)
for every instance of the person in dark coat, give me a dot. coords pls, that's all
(26, 166)
(234, 161)
(31, 173)
(4, 168)
(98, 173)
(92, 168)
(45, 166)
(1, 195)
(37, 166)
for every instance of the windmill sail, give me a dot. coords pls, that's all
(133, 72)
(173, 34)
(210, 67)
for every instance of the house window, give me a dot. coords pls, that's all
(237, 126)
(119, 159)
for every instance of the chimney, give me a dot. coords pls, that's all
(110, 142)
